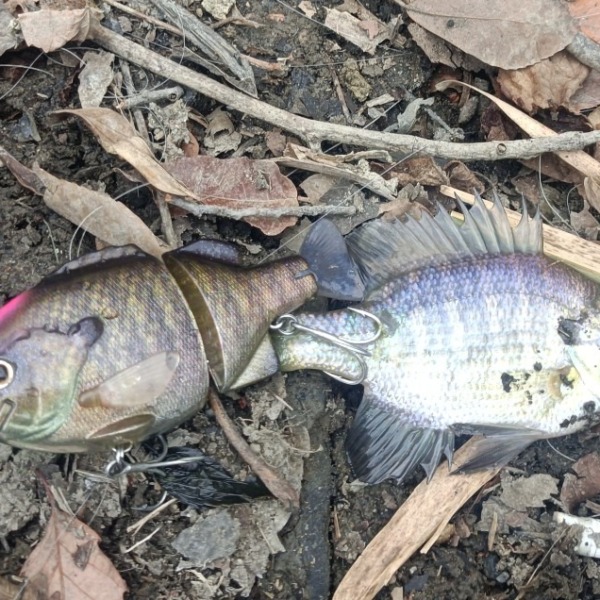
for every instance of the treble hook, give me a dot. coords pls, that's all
(288, 325)
(120, 466)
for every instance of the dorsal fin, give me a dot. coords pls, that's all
(98, 257)
(386, 249)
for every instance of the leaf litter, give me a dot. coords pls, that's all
(68, 563)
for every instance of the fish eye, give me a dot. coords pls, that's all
(7, 373)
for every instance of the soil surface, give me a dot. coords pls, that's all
(302, 553)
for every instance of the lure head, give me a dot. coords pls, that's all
(39, 369)
(98, 356)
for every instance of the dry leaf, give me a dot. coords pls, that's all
(591, 192)
(276, 142)
(52, 29)
(462, 177)
(67, 564)
(587, 15)
(548, 84)
(584, 485)
(364, 30)
(96, 212)
(239, 183)
(510, 34)
(8, 34)
(95, 78)
(584, 222)
(419, 169)
(117, 136)
(316, 186)
(440, 51)
(307, 8)
(588, 95)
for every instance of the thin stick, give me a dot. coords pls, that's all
(315, 132)
(428, 509)
(277, 485)
(274, 213)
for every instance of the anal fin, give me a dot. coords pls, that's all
(498, 444)
(381, 445)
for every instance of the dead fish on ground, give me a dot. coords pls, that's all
(480, 334)
(117, 346)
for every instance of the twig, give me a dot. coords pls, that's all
(315, 132)
(277, 485)
(428, 509)
(171, 94)
(273, 213)
(585, 51)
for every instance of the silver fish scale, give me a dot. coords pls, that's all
(477, 342)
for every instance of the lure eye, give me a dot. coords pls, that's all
(7, 373)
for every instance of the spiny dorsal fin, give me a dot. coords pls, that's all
(386, 249)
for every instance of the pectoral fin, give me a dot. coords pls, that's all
(137, 385)
(381, 445)
(499, 444)
(132, 428)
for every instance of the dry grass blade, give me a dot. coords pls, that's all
(426, 512)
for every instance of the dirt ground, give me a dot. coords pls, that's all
(335, 520)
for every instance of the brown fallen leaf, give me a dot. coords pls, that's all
(355, 23)
(584, 485)
(550, 83)
(117, 136)
(95, 78)
(96, 212)
(10, 590)
(419, 169)
(67, 564)
(509, 34)
(440, 51)
(462, 177)
(584, 222)
(588, 95)
(51, 29)
(238, 183)
(587, 16)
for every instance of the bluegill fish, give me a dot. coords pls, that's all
(117, 345)
(480, 334)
